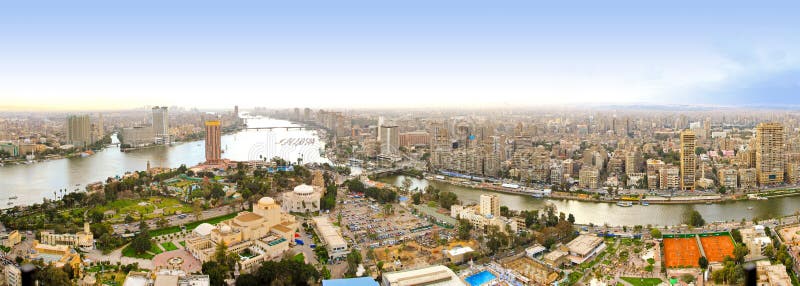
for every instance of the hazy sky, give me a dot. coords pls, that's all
(124, 54)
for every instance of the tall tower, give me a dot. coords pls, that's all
(688, 159)
(79, 131)
(213, 144)
(769, 150)
(161, 125)
(390, 139)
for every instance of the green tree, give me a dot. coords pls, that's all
(141, 243)
(693, 218)
(447, 199)
(353, 260)
(737, 236)
(703, 262)
(464, 229)
(50, 275)
(416, 198)
(504, 211)
(655, 233)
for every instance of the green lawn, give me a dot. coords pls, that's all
(125, 206)
(642, 281)
(129, 252)
(299, 258)
(183, 243)
(155, 249)
(169, 246)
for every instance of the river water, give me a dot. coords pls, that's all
(610, 213)
(33, 182)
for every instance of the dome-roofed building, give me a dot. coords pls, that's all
(265, 231)
(302, 199)
(265, 201)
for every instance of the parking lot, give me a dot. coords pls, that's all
(368, 224)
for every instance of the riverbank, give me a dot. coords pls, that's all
(33, 182)
(587, 197)
(607, 212)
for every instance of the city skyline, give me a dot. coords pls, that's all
(109, 56)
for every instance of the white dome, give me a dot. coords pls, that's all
(303, 189)
(225, 229)
(265, 201)
(204, 229)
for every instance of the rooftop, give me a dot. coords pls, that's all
(248, 217)
(328, 232)
(361, 281)
(584, 244)
(438, 275)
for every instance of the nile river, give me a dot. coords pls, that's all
(602, 213)
(30, 183)
(33, 182)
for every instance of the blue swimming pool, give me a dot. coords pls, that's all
(481, 278)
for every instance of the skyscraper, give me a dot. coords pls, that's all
(213, 144)
(79, 131)
(688, 159)
(769, 150)
(161, 125)
(390, 139)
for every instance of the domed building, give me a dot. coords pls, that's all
(302, 199)
(257, 236)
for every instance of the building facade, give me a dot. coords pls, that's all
(213, 142)
(688, 159)
(769, 148)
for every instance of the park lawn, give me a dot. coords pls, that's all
(183, 243)
(299, 258)
(155, 249)
(642, 281)
(129, 252)
(169, 246)
(126, 206)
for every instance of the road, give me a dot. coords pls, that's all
(175, 220)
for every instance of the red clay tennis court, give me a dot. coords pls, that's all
(717, 247)
(681, 252)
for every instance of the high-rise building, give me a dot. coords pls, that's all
(490, 205)
(390, 139)
(161, 125)
(669, 178)
(213, 144)
(770, 162)
(688, 159)
(653, 167)
(79, 131)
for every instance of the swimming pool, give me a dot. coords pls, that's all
(481, 278)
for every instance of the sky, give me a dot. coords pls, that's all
(99, 55)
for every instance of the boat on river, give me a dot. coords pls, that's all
(625, 204)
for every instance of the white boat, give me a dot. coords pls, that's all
(645, 203)
(749, 208)
(625, 204)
